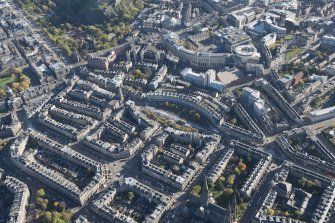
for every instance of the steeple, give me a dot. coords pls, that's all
(229, 217)
(234, 207)
(204, 194)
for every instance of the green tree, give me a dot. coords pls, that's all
(137, 72)
(227, 192)
(66, 49)
(24, 78)
(316, 102)
(67, 215)
(302, 182)
(231, 179)
(40, 192)
(20, 88)
(241, 208)
(237, 171)
(55, 204)
(68, 26)
(222, 179)
(47, 216)
(42, 203)
(15, 85)
(196, 190)
(131, 196)
(58, 220)
(2, 93)
(317, 183)
(16, 71)
(286, 213)
(45, 8)
(271, 212)
(233, 121)
(249, 158)
(56, 214)
(301, 83)
(298, 214)
(24, 85)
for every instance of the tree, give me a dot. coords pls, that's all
(166, 104)
(298, 213)
(55, 204)
(317, 183)
(25, 79)
(160, 149)
(271, 212)
(47, 216)
(309, 184)
(176, 169)
(58, 220)
(131, 195)
(137, 72)
(302, 182)
(66, 49)
(196, 190)
(40, 192)
(56, 214)
(42, 203)
(67, 215)
(2, 93)
(45, 8)
(15, 85)
(24, 85)
(62, 206)
(295, 141)
(242, 167)
(222, 179)
(286, 213)
(241, 208)
(301, 83)
(249, 158)
(38, 214)
(231, 179)
(316, 102)
(197, 116)
(319, 54)
(233, 121)
(220, 185)
(20, 88)
(68, 26)
(16, 71)
(237, 171)
(227, 192)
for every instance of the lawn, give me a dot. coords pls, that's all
(293, 53)
(288, 37)
(6, 80)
